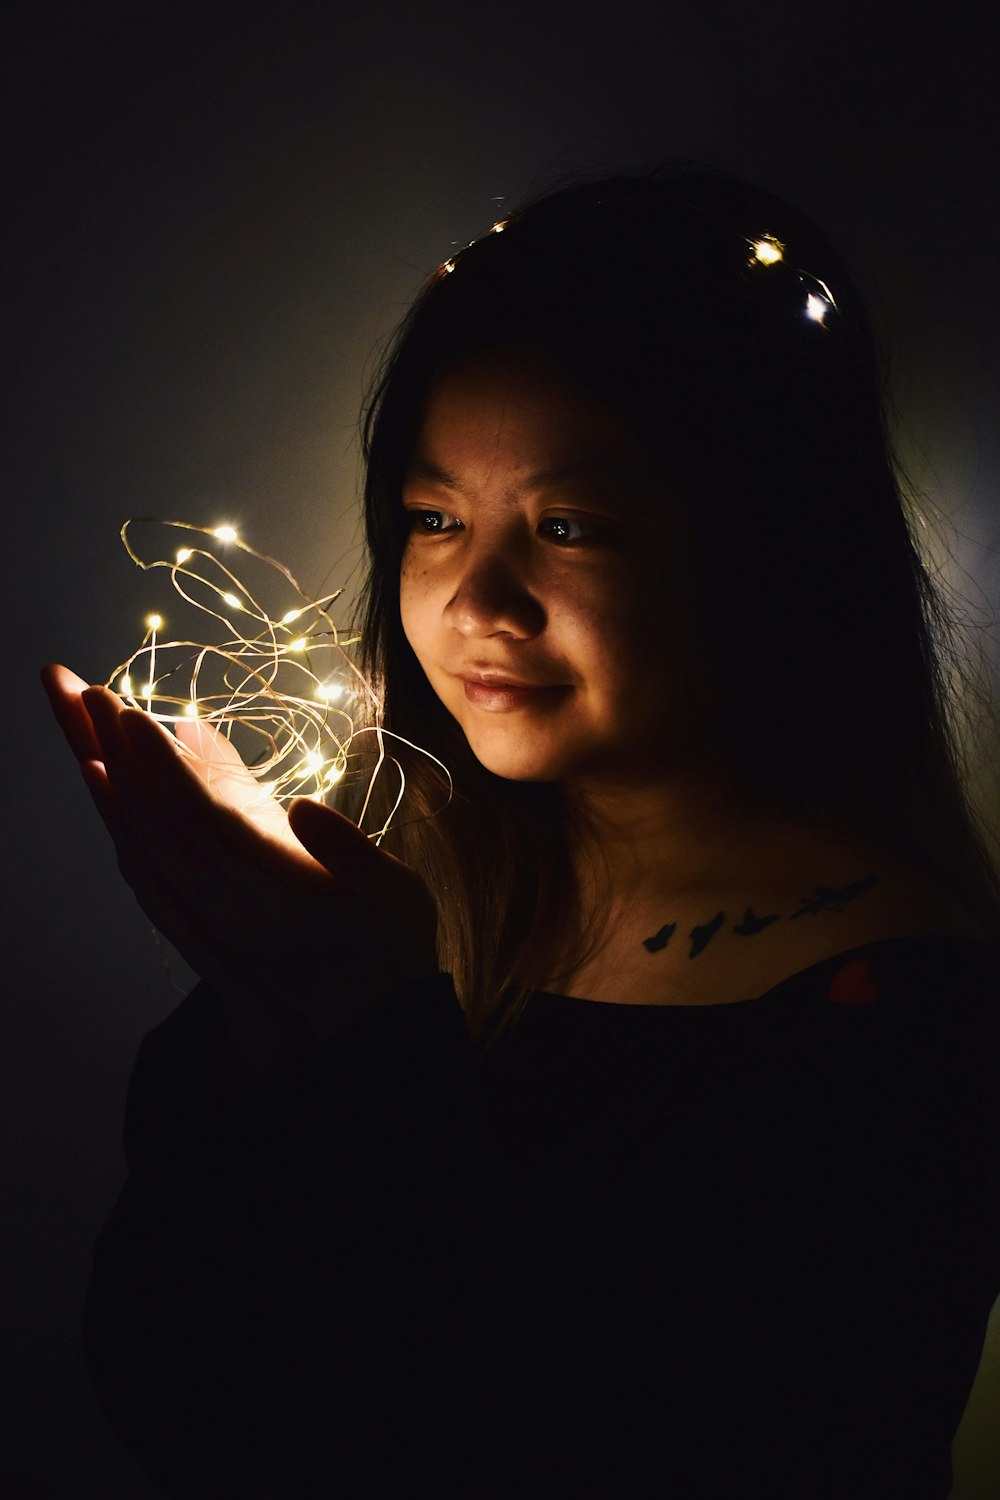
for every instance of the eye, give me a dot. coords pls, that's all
(432, 522)
(565, 529)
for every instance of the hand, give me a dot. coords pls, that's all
(296, 910)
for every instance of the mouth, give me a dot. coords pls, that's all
(497, 679)
(502, 694)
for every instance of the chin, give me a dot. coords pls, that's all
(514, 767)
(519, 756)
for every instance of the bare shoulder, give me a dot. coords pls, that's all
(888, 895)
(842, 893)
(835, 894)
(794, 897)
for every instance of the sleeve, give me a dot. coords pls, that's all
(281, 1279)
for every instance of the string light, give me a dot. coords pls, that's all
(769, 251)
(298, 700)
(765, 250)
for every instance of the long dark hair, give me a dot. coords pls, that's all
(717, 322)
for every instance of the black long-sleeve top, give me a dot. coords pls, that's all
(694, 1251)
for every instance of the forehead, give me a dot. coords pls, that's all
(517, 416)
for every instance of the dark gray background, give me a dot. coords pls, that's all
(216, 213)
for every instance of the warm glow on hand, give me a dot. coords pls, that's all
(220, 767)
(277, 675)
(253, 907)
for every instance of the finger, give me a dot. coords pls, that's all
(214, 832)
(170, 775)
(104, 709)
(64, 689)
(341, 847)
(184, 917)
(132, 853)
(132, 784)
(158, 797)
(96, 777)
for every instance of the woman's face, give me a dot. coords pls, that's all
(541, 578)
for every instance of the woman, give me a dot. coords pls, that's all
(697, 1192)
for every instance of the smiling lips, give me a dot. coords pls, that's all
(497, 679)
(498, 693)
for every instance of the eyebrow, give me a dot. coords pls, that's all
(423, 470)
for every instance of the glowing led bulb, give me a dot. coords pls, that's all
(250, 682)
(816, 307)
(768, 250)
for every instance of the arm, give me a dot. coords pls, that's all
(301, 1135)
(278, 1284)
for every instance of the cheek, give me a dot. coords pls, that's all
(411, 595)
(633, 645)
(613, 626)
(407, 593)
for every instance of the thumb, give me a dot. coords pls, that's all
(341, 847)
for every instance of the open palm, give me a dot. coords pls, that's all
(298, 910)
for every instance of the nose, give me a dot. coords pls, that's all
(492, 598)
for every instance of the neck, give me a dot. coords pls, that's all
(684, 869)
(687, 833)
